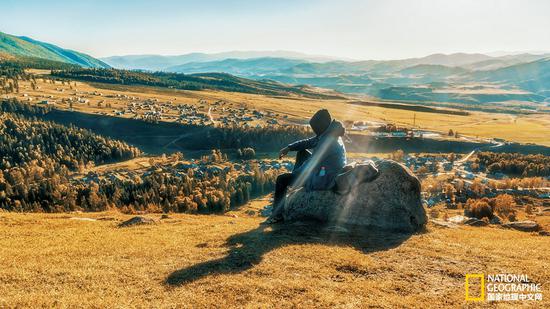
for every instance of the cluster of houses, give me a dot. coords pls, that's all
(431, 164)
(245, 116)
(384, 130)
(464, 177)
(41, 99)
(49, 99)
(432, 199)
(220, 112)
(247, 167)
(112, 176)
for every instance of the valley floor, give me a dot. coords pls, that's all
(530, 128)
(55, 260)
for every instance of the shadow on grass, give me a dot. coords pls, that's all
(247, 249)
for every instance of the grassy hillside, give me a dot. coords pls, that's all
(534, 76)
(200, 261)
(428, 94)
(29, 48)
(23, 62)
(213, 81)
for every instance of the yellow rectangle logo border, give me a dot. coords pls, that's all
(467, 294)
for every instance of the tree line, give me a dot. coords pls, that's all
(514, 164)
(10, 74)
(24, 62)
(24, 140)
(183, 191)
(200, 81)
(47, 185)
(39, 158)
(239, 137)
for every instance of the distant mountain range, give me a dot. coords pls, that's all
(14, 46)
(457, 78)
(161, 63)
(258, 66)
(243, 62)
(518, 80)
(243, 67)
(532, 76)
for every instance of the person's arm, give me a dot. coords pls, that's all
(303, 144)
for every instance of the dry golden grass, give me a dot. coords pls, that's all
(518, 128)
(231, 261)
(129, 165)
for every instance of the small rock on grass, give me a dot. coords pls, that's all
(107, 219)
(441, 223)
(475, 222)
(524, 226)
(457, 219)
(83, 219)
(137, 221)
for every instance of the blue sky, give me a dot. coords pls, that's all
(376, 29)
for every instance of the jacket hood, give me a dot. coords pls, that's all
(335, 129)
(320, 121)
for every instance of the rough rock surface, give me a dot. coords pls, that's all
(474, 222)
(495, 220)
(524, 226)
(390, 202)
(137, 221)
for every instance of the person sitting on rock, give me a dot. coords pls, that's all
(315, 169)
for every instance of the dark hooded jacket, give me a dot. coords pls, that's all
(329, 154)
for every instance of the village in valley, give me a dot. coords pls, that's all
(202, 112)
(450, 180)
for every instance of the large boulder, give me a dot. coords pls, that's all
(390, 202)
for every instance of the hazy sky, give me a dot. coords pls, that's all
(378, 29)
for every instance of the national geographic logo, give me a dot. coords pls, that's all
(475, 285)
(501, 287)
